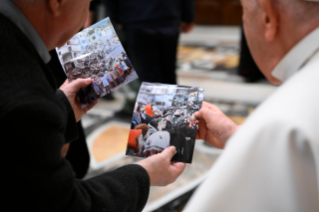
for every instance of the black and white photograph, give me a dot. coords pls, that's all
(97, 53)
(164, 116)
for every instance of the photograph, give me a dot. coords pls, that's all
(97, 53)
(164, 116)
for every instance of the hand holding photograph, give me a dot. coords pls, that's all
(96, 53)
(163, 116)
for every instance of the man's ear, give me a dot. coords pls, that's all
(56, 6)
(270, 19)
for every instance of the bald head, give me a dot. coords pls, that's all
(274, 27)
(298, 10)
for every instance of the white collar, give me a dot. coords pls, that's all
(297, 56)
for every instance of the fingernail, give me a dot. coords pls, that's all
(173, 148)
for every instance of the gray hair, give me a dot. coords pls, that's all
(27, 1)
(301, 11)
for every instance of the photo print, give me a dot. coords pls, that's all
(163, 116)
(97, 53)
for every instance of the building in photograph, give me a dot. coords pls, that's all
(181, 97)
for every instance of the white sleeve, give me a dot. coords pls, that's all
(264, 167)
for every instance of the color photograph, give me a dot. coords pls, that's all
(163, 116)
(97, 53)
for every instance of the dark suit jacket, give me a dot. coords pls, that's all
(36, 120)
(150, 12)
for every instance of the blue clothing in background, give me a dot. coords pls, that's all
(150, 11)
(96, 87)
(104, 81)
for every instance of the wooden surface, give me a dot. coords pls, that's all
(218, 12)
(110, 143)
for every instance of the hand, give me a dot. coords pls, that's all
(70, 90)
(187, 27)
(160, 168)
(65, 149)
(214, 127)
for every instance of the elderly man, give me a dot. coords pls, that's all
(37, 120)
(270, 163)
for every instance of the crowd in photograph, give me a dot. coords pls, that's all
(154, 128)
(107, 73)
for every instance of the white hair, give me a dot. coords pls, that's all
(27, 1)
(299, 10)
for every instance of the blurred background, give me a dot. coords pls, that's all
(212, 54)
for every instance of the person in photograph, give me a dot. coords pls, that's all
(123, 66)
(145, 133)
(144, 129)
(189, 133)
(119, 68)
(177, 116)
(156, 143)
(157, 111)
(135, 138)
(153, 125)
(119, 76)
(178, 139)
(149, 113)
(147, 118)
(106, 84)
(110, 79)
(127, 61)
(162, 124)
(45, 116)
(101, 85)
(115, 77)
(185, 113)
(138, 117)
(96, 87)
(168, 118)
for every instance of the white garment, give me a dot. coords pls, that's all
(157, 141)
(272, 162)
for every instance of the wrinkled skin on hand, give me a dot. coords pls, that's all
(70, 90)
(160, 168)
(214, 126)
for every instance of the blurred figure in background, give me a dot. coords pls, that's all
(151, 30)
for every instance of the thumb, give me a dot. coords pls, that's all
(205, 114)
(197, 114)
(179, 167)
(169, 152)
(80, 83)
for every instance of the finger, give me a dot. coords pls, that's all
(80, 83)
(66, 82)
(198, 114)
(179, 168)
(169, 152)
(205, 104)
(90, 106)
(202, 129)
(206, 114)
